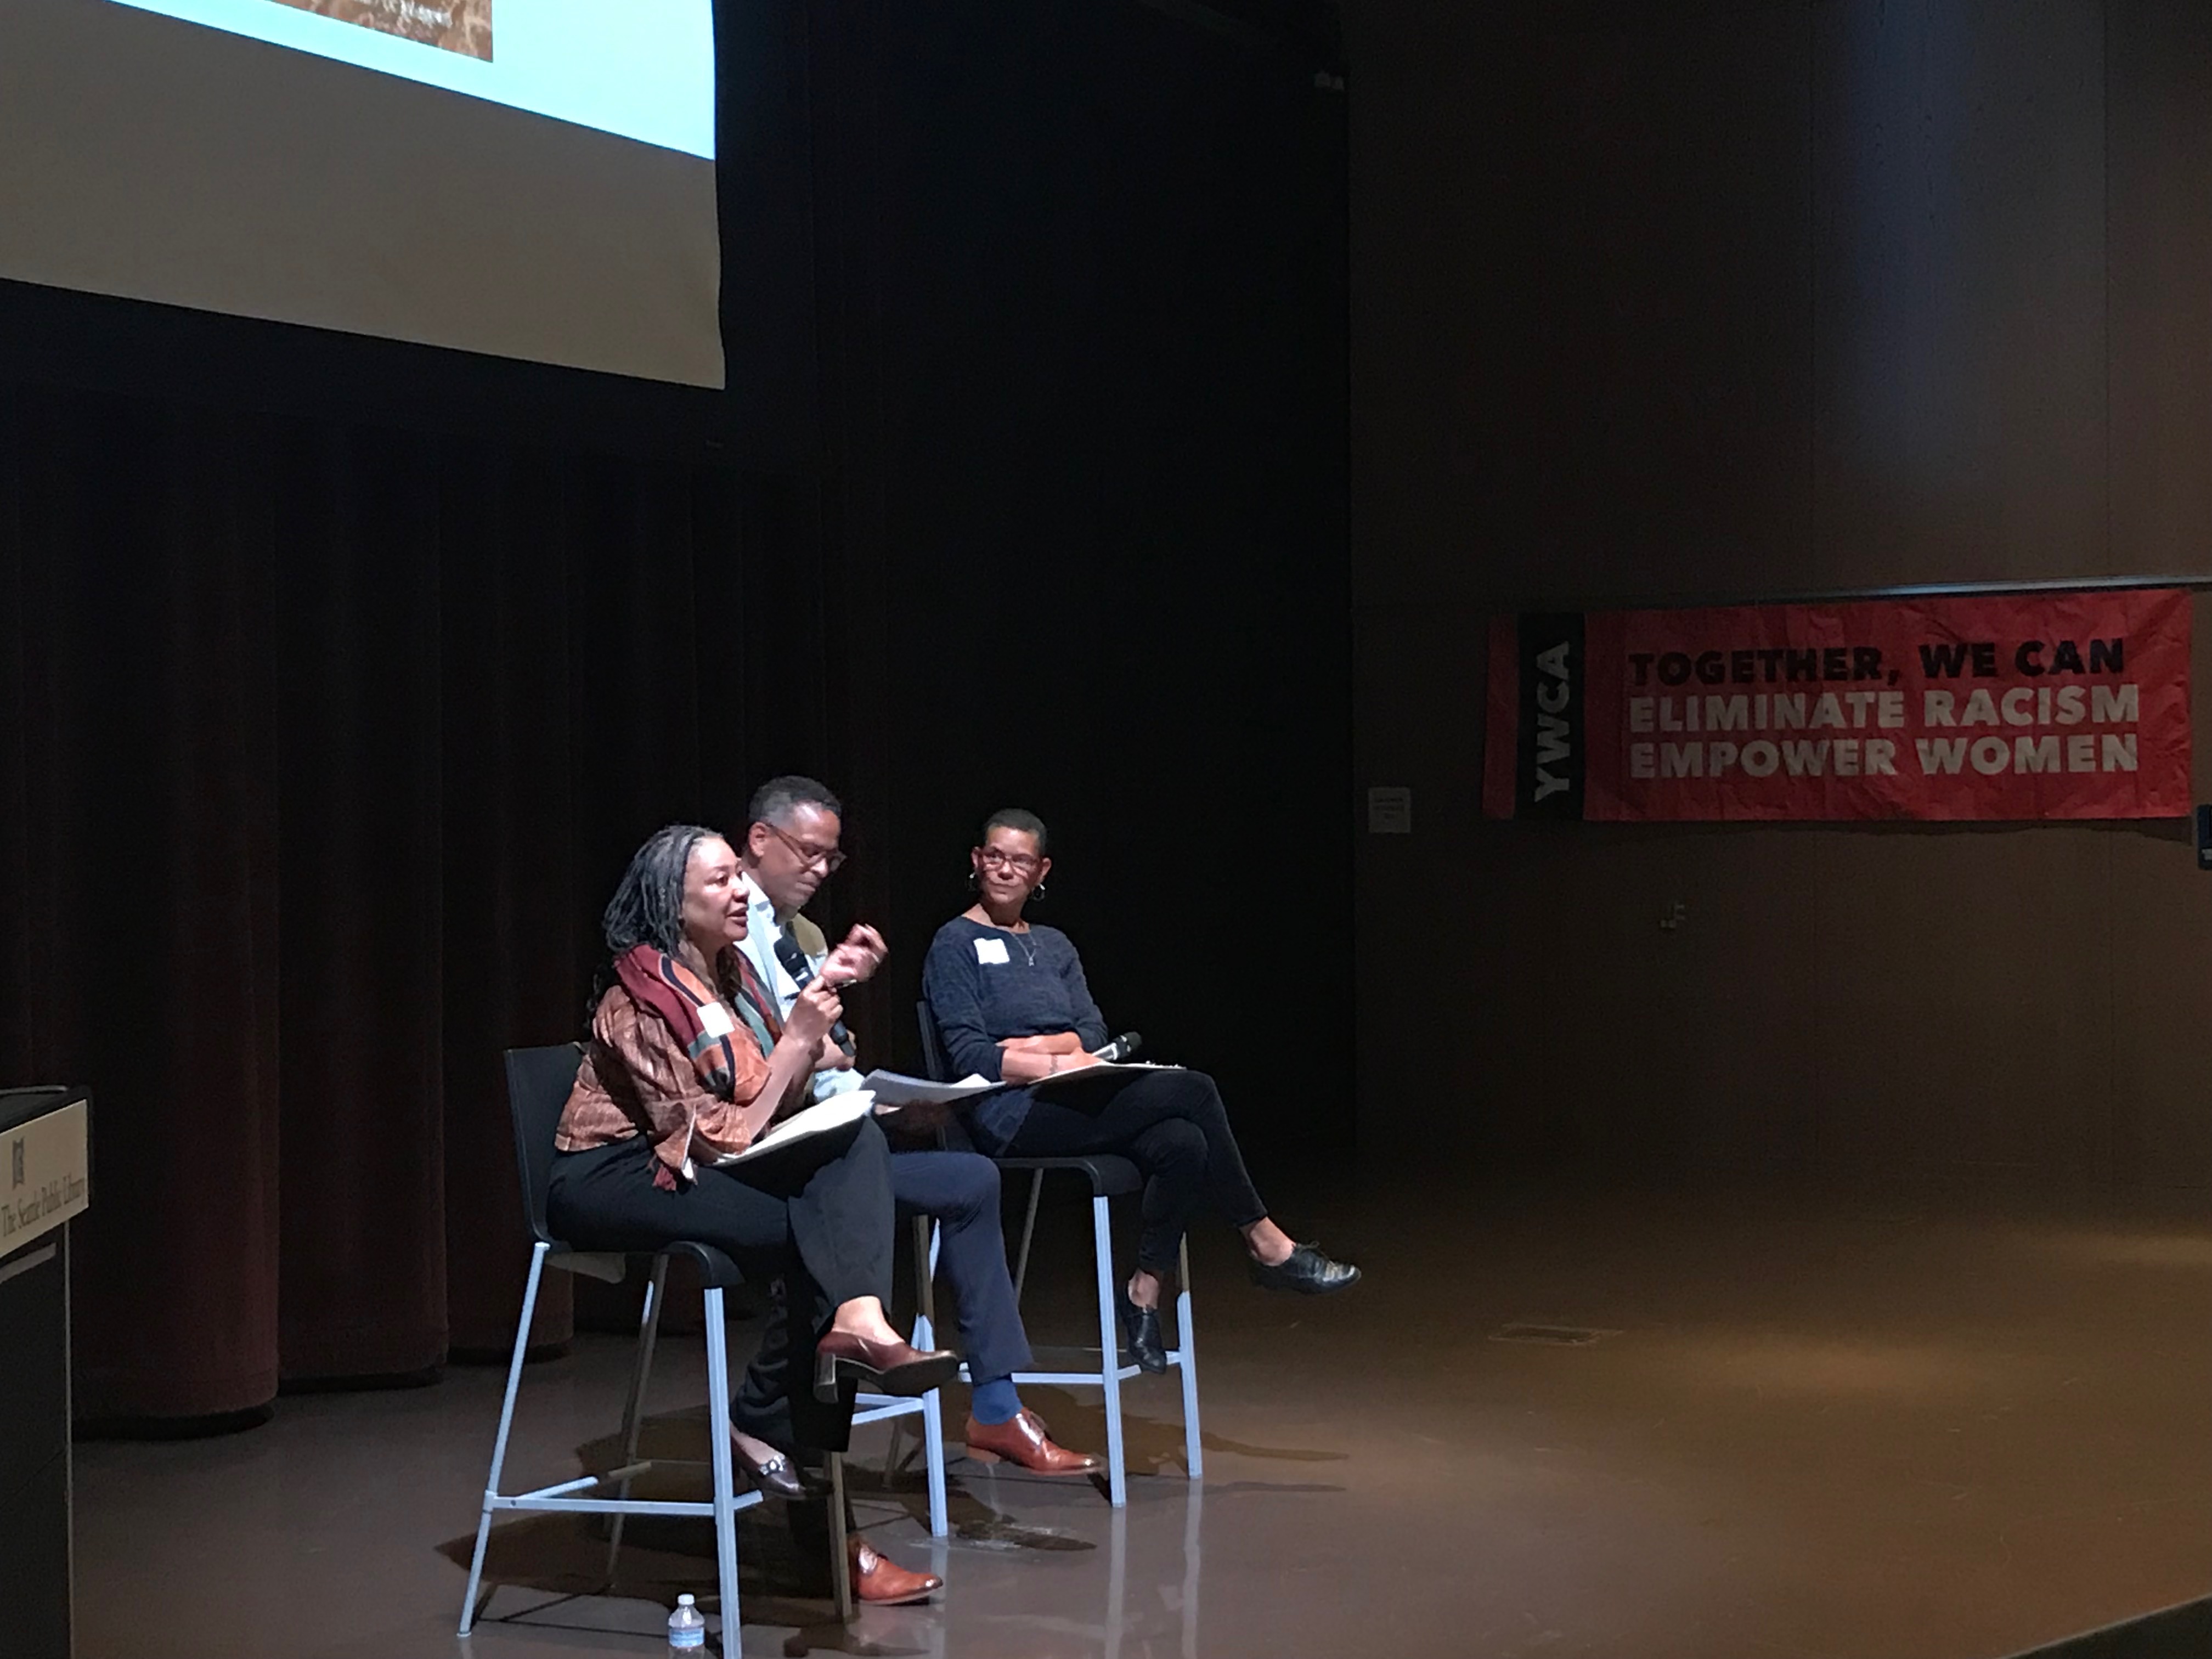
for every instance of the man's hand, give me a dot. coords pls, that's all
(832, 1057)
(856, 957)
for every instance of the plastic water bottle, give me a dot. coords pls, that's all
(687, 1627)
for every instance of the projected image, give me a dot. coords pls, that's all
(461, 26)
(374, 168)
(639, 68)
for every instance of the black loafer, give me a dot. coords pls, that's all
(1306, 1271)
(1141, 1326)
(774, 1476)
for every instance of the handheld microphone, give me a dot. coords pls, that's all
(1119, 1049)
(795, 963)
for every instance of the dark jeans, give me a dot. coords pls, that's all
(960, 1191)
(1171, 1125)
(818, 1214)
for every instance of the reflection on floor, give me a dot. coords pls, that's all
(1825, 1429)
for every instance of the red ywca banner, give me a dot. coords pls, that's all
(2069, 705)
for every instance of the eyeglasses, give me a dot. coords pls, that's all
(829, 858)
(1022, 863)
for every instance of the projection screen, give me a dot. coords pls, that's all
(530, 178)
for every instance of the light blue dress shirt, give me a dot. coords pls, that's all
(762, 930)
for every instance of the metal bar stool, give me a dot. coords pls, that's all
(881, 1408)
(1111, 1176)
(538, 1085)
(538, 1081)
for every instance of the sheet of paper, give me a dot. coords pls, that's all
(1121, 1068)
(834, 1113)
(894, 1089)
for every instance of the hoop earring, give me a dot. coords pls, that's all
(1037, 892)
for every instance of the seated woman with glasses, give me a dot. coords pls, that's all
(687, 1060)
(1010, 1003)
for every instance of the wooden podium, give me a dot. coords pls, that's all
(44, 1182)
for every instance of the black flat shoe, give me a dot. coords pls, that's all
(775, 1476)
(1142, 1328)
(1306, 1271)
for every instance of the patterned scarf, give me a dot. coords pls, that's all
(702, 1021)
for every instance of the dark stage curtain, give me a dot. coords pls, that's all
(322, 744)
(324, 734)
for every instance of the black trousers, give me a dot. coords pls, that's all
(1171, 1125)
(818, 1214)
(960, 1191)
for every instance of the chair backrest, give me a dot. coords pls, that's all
(954, 1136)
(538, 1081)
(933, 1064)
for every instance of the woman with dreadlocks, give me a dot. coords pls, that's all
(687, 1061)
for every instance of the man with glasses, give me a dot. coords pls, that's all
(788, 850)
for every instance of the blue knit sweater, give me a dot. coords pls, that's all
(982, 984)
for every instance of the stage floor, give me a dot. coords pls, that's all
(1851, 1430)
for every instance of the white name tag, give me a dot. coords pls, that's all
(991, 950)
(715, 1021)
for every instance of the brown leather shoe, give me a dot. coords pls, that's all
(1022, 1440)
(884, 1583)
(895, 1367)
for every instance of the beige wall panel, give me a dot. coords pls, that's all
(2161, 301)
(1435, 170)
(2159, 989)
(1668, 394)
(1951, 1045)
(1806, 297)
(2160, 995)
(1959, 213)
(1741, 980)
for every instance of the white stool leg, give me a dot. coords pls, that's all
(1193, 1455)
(932, 1403)
(1194, 1510)
(1028, 1234)
(925, 1283)
(932, 1425)
(841, 1557)
(1117, 1582)
(641, 1370)
(506, 1421)
(718, 1438)
(1109, 1347)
